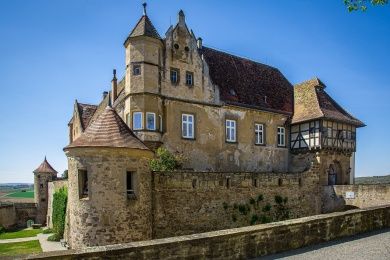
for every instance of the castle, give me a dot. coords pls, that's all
(242, 127)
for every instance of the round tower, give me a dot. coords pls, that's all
(42, 175)
(109, 190)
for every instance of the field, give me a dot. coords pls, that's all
(21, 194)
(373, 180)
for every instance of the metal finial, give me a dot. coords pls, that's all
(144, 5)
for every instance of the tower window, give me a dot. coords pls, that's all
(136, 69)
(230, 131)
(150, 121)
(137, 121)
(187, 126)
(281, 136)
(189, 78)
(259, 134)
(174, 76)
(83, 184)
(129, 183)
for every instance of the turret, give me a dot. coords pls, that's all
(109, 185)
(42, 175)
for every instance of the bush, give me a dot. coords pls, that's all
(55, 237)
(164, 161)
(254, 219)
(47, 231)
(60, 198)
(2, 230)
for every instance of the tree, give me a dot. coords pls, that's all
(165, 161)
(65, 174)
(356, 5)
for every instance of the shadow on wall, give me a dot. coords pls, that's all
(331, 202)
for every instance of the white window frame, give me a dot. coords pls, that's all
(231, 130)
(281, 136)
(154, 121)
(185, 123)
(142, 120)
(259, 131)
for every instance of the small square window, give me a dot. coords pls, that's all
(150, 121)
(174, 76)
(137, 121)
(189, 78)
(136, 69)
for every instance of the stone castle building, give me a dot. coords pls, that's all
(241, 125)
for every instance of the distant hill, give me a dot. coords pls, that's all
(373, 180)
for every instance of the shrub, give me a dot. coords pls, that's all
(60, 198)
(267, 208)
(254, 219)
(234, 218)
(278, 199)
(243, 209)
(225, 205)
(265, 219)
(47, 231)
(164, 161)
(55, 237)
(252, 201)
(260, 197)
(2, 229)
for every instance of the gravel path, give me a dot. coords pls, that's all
(48, 246)
(369, 246)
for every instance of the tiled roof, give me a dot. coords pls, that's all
(45, 167)
(248, 83)
(312, 102)
(145, 27)
(86, 112)
(108, 130)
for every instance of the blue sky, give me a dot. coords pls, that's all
(52, 52)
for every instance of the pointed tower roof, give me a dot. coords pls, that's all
(108, 130)
(312, 102)
(45, 167)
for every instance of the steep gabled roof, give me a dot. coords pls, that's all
(45, 167)
(108, 130)
(86, 112)
(312, 102)
(144, 27)
(245, 82)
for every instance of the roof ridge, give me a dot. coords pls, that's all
(238, 56)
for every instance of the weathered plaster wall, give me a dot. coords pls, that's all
(241, 243)
(192, 202)
(107, 215)
(7, 216)
(24, 212)
(52, 188)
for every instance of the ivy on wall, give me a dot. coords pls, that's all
(60, 198)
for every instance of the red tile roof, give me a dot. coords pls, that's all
(45, 167)
(312, 102)
(108, 130)
(248, 83)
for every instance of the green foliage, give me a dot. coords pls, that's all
(225, 206)
(265, 219)
(48, 231)
(235, 206)
(282, 212)
(254, 219)
(267, 208)
(252, 201)
(60, 198)
(356, 5)
(242, 209)
(20, 233)
(278, 199)
(234, 218)
(65, 174)
(2, 230)
(260, 198)
(17, 248)
(54, 238)
(165, 161)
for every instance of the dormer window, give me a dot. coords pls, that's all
(189, 78)
(136, 69)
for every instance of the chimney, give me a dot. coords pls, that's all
(105, 93)
(199, 43)
(114, 87)
(181, 18)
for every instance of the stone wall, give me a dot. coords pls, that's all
(361, 196)
(52, 188)
(241, 243)
(193, 202)
(24, 212)
(7, 216)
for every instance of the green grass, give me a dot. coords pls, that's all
(17, 248)
(20, 233)
(20, 194)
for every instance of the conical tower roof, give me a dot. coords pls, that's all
(108, 130)
(45, 167)
(145, 27)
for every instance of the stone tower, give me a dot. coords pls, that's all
(42, 175)
(109, 185)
